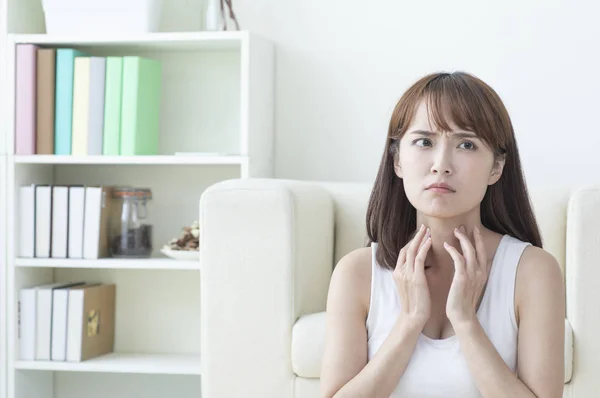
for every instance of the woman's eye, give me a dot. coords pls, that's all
(423, 142)
(468, 145)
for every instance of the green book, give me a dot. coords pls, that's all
(111, 137)
(140, 107)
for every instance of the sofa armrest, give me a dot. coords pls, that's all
(581, 278)
(266, 249)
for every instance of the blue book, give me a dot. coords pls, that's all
(63, 123)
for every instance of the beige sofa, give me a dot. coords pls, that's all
(267, 250)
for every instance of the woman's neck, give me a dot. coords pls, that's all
(442, 230)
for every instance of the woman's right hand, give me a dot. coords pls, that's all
(411, 282)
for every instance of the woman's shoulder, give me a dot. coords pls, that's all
(538, 275)
(352, 274)
(356, 264)
(536, 262)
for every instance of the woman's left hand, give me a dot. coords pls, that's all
(471, 271)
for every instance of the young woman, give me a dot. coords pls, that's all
(454, 295)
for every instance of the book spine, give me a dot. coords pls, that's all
(46, 79)
(112, 106)
(96, 105)
(63, 123)
(81, 106)
(25, 99)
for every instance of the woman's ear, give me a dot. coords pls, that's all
(394, 151)
(397, 168)
(496, 171)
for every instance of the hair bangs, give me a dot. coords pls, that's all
(453, 102)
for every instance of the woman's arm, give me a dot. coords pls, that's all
(345, 371)
(539, 299)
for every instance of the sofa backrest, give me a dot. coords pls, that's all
(351, 200)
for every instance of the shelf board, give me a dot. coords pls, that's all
(158, 41)
(131, 160)
(110, 263)
(123, 363)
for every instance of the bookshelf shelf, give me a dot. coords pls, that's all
(132, 160)
(110, 263)
(160, 41)
(123, 363)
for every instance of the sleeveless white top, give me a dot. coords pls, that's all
(437, 368)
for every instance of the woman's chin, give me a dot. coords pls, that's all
(439, 210)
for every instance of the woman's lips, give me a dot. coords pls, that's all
(440, 190)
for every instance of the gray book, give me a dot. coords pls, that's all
(96, 120)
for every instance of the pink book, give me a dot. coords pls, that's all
(25, 98)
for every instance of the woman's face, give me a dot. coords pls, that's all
(457, 158)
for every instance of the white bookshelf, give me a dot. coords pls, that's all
(216, 123)
(242, 161)
(3, 281)
(109, 263)
(3, 185)
(162, 41)
(123, 363)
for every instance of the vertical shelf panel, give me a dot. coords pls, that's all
(3, 279)
(257, 106)
(21, 384)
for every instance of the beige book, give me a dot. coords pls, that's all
(46, 80)
(90, 321)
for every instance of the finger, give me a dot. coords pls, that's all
(407, 245)
(480, 248)
(401, 258)
(467, 248)
(459, 264)
(425, 236)
(422, 255)
(414, 245)
(401, 262)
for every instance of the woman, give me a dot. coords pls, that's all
(454, 297)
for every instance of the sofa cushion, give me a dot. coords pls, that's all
(568, 351)
(308, 341)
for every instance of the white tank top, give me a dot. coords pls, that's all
(437, 367)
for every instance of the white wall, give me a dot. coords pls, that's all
(342, 65)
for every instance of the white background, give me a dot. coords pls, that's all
(341, 66)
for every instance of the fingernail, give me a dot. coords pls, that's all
(428, 232)
(462, 228)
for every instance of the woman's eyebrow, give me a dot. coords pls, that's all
(459, 134)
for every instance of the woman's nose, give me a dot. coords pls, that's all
(442, 164)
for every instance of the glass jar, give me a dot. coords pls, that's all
(130, 236)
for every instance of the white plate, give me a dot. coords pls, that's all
(182, 254)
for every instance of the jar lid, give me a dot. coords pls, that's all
(121, 192)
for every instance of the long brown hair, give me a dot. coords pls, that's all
(474, 106)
